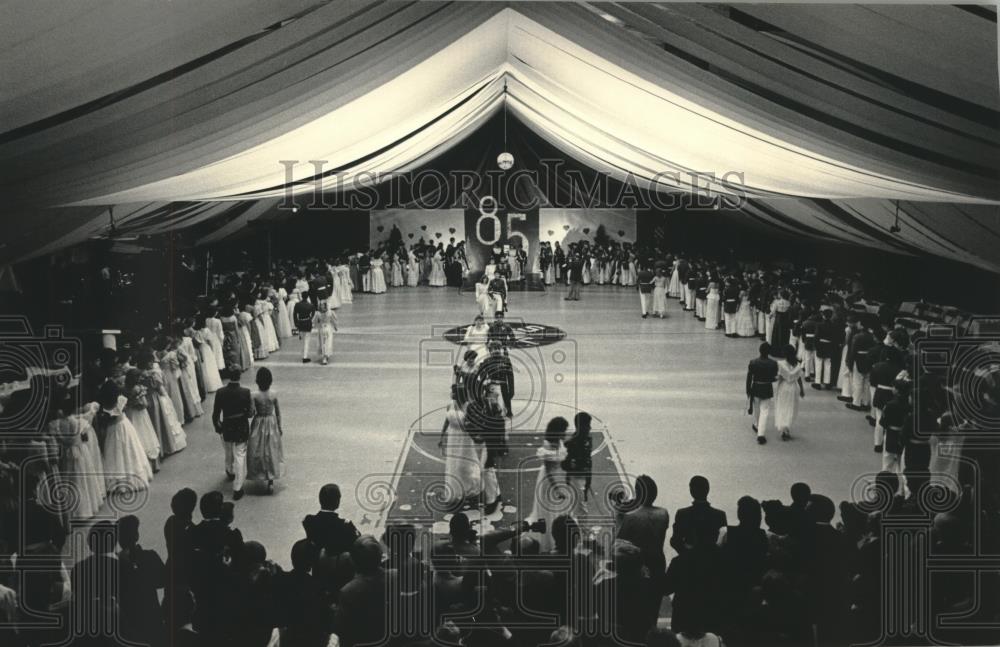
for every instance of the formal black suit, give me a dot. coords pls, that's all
(329, 532)
(699, 518)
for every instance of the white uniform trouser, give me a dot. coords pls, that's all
(236, 462)
(762, 414)
(809, 362)
(730, 319)
(644, 299)
(689, 301)
(860, 388)
(699, 308)
(306, 337)
(824, 370)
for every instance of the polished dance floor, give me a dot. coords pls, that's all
(667, 397)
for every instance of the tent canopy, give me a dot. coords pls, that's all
(179, 113)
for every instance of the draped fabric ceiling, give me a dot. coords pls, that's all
(180, 114)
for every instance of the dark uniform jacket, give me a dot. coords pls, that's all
(303, 313)
(731, 299)
(232, 413)
(761, 375)
(861, 352)
(809, 329)
(827, 334)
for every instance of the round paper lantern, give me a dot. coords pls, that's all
(505, 160)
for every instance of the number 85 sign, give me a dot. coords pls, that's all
(489, 224)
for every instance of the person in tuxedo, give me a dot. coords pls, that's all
(574, 269)
(646, 527)
(645, 283)
(497, 369)
(326, 528)
(501, 332)
(362, 606)
(142, 574)
(231, 418)
(303, 313)
(761, 375)
(699, 519)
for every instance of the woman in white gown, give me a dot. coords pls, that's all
(378, 275)
(790, 390)
(552, 495)
(267, 321)
(75, 437)
(342, 283)
(477, 335)
(660, 294)
(293, 298)
(412, 269)
(746, 322)
(712, 303)
(462, 470)
(397, 271)
(284, 320)
(324, 323)
(674, 289)
(515, 266)
(137, 411)
(209, 365)
(437, 278)
(125, 464)
(214, 325)
(483, 299)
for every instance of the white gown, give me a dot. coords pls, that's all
(476, 338)
(552, 495)
(412, 270)
(483, 300)
(292, 300)
(270, 340)
(214, 325)
(462, 469)
(378, 276)
(76, 466)
(712, 309)
(437, 277)
(344, 286)
(786, 397)
(125, 463)
(209, 365)
(397, 273)
(284, 321)
(674, 289)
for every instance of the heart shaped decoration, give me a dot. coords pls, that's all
(565, 227)
(437, 234)
(586, 230)
(551, 232)
(380, 229)
(621, 232)
(410, 235)
(451, 230)
(423, 227)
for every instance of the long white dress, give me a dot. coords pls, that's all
(674, 289)
(284, 322)
(397, 272)
(476, 338)
(292, 300)
(323, 324)
(515, 267)
(209, 365)
(712, 309)
(786, 397)
(412, 269)
(270, 339)
(75, 465)
(746, 323)
(553, 497)
(437, 277)
(660, 295)
(462, 469)
(483, 299)
(125, 463)
(214, 325)
(378, 276)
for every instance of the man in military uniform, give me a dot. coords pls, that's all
(761, 374)
(881, 378)
(497, 290)
(826, 337)
(645, 282)
(730, 305)
(809, 329)
(860, 357)
(846, 372)
(303, 314)
(501, 332)
(497, 370)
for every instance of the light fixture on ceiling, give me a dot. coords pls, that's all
(112, 232)
(895, 226)
(505, 160)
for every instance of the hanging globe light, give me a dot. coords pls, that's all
(505, 160)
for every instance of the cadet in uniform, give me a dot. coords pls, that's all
(826, 337)
(809, 329)
(859, 361)
(761, 374)
(730, 305)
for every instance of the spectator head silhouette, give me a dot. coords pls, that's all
(184, 502)
(128, 531)
(304, 555)
(765, 349)
(748, 512)
(329, 497)
(698, 486)
(211, 504)
(646, 490)
(366, 553)
(800, 494)
(820, 509)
